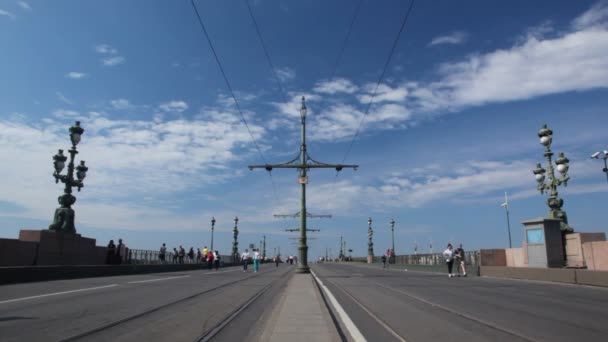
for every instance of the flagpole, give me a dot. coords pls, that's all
(506, 205)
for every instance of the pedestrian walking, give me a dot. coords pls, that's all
(111, 253)
(205, 251)
(182, 254)
(216, 257)
(245, 259)
(120, 252)
(448, 255)
(162, 253)
(191, 255)
(210, 259)
(276, 260)
(175, 255)
(383, 261)
(460, 261)
(256, 260)
(198, 255)
(389, 255)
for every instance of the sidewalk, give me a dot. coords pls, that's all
(301, 315)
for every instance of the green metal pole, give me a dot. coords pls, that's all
(302, 247)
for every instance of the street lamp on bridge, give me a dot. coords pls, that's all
(370, 242)
(604, 156)
(235, 242)
(392, 259)
(212, 229)
(562, 164)
(64, 215)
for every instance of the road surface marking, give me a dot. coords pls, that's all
(372, 315)
(157, 279)
(461, 314)
(57, 293)
(348, 323)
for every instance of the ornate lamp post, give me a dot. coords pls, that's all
(370, 243)
(235, 243)
(64, 215)
(341, 255)
(554, 202)
(212, 229)
(598, 155)
(264, 248)
(392, 259)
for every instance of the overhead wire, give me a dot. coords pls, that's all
(386, 64)
(236, 102)
(369, 105)
(332, 195)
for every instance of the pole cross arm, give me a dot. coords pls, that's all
(309, 215)
(298, 229)
(307, 166)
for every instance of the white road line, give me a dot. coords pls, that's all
(157, 279)
(57, 293)
(348, 323)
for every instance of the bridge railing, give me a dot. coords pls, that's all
(151, 257)
(434, 261)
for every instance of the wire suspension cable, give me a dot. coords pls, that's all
(238, 107)
(274, 70)
(350, 28)
(369, 105)
(386, 64)
(200, 21)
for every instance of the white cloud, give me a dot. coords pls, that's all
(121, 104)
(75, 75)
(7, 14)
(337, 85)
(126, 158)
(595, 16)
(173, 106)
(105, 49)
(24, 5)
(112, 61)
(63, 99)
(285, 74)
(112, 58)
(65, 113)
(384, 93)
(454, 38)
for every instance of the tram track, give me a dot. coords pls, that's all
(208, 333)
(376, 317)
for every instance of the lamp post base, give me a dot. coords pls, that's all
(302, 269)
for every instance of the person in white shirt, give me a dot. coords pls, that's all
(256, 260)
(245, 259)
(448, 255)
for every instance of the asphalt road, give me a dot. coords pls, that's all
(397, 305)
(57, 310)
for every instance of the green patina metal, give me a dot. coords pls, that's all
(303, 162)
(370, 235)
(63, 220)
(235, 242)
(554, 202)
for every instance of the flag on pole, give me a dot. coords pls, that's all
(506, 204)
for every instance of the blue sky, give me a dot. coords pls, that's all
(452, 127)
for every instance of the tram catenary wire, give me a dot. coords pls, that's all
(236, 102)
(371, 100)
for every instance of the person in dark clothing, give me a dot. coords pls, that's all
(191, 255)
(383, 261)
(182, 254)
(460, 261)
(175, 255)
(111, 252)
